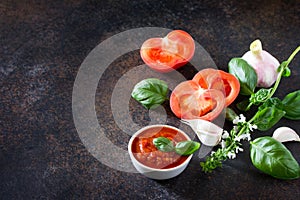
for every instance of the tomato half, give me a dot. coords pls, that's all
(219, 80)
(190, 101)
(168, 53)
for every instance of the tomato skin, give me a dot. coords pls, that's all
(168, 53)
(189, 101)
(231, 86)
(217, 79)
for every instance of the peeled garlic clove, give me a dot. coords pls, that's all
(208, 133)
(193, 123)
(285, 134)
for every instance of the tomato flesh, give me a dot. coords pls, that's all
(168, 53)
(219, 80)
(189, 101)
(205, 96)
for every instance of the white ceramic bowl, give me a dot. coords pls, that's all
(155, 173)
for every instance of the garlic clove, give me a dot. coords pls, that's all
(191, 122)
(208, 133)
(285, 134)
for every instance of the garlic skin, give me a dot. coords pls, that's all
(263, 63)
(285, 134)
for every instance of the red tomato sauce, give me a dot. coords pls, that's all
(145, 151)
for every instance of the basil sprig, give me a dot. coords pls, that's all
(150, 92)
(273, 109)
(273, 158)
(183, 148)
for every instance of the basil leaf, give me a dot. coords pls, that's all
(273, 158)
(150, 92)
(230, 114)
(245, 74)
(267, 117)
(272, 102)
(291, 105)
(163, 144)
(244, 105)
(188, 147)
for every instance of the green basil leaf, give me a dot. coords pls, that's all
(150, 92)
(273, 158)
(245, 74)
(291, 105)
(243, 105)
(265, 118)
(163, 144)
(188, 147)
(274, 101)
(230, 114)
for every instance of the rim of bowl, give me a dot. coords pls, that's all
(156, 126)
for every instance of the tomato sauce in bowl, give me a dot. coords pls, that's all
(146, 153)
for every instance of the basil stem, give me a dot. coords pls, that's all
(283, 69)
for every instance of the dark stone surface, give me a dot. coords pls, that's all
(42, 45)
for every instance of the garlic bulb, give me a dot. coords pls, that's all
(285, 134)
(263, 63)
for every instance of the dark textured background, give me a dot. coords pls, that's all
(42, 45)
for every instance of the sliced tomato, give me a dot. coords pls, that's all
(168, 53)
(219, 80)
(190, 101)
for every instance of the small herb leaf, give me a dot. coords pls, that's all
(150, 92)
(273, 158)
(230, 114)
(188, 147)
(267, 117)
(244, 105)
(163, 144)
(291, 105)
(245, 74)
